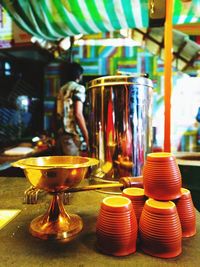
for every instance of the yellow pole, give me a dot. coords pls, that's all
(168, 56)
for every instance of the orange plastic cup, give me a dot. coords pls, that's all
(137, 197)
(116, 228)
(162, 177)
(160, 229)
(187, 214)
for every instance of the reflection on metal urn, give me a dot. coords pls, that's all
(119, 119)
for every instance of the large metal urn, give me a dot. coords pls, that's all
(120, 124)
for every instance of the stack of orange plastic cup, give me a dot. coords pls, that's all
(164, 218)
(160, 229)
(137, 197)
(162, 181)
(186, 213)
(117, 227)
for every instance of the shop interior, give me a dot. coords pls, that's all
(36, 69)
(34, 58)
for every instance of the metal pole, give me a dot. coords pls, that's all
(168, 53)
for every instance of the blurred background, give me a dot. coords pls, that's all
(33, 65)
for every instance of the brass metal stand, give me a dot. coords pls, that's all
(56, 223)
(56, 174)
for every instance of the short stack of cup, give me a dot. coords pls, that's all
(161, 234)
(157, 216)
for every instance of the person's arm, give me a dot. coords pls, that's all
(60, 103)
(59, 114)
(78, 113)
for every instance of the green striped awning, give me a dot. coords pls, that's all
(55, 19)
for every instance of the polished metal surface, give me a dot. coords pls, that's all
(120, 123)
(55, 174)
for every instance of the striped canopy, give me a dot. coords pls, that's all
(55, 19)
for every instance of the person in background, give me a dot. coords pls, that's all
(72, 130)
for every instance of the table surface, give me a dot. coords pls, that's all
(19, 248)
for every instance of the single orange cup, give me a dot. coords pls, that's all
(116, 204)
(161, 177)
(137, 197)
(160, 230)
(116, 227)
(187, 214)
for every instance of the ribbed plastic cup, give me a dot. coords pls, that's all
(161, 177)
(137, 197)
(187, 214)
(116, 228)
(160, 229)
